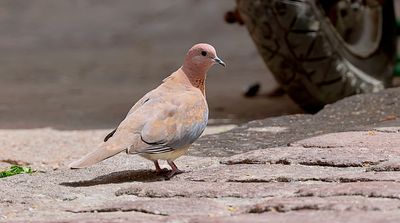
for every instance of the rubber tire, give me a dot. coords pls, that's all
(308, 58)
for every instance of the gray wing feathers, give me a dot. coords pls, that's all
(156, 125)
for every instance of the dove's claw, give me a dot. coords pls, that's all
(174, 171)
(158, 168)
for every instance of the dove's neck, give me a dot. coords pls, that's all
(196, 77)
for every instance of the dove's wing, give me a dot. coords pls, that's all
(156, 93)
(135, 107)
(162, 122)
(171, 121)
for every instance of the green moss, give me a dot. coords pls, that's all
(13, 170)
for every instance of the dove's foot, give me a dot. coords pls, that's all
(160, 171)
(174, 171)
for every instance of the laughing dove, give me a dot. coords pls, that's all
(167, 120)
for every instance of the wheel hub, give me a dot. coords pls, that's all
(358, 23)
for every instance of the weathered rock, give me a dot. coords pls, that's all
(365, 189)
(393, 164)
(363, 139)
(337, 203)
(309, 217)
(162, 206)
(105, 217)
(314, 156)
(359, 112)
(327, 173)
(200, 189)
(286, 173)
(46, 148)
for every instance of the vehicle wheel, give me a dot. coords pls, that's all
(322, 51)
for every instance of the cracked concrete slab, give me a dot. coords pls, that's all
(314, 156)
(360, 139)
(287, 173)
(334, 203)
(162, 206)
(356, 113)
(341, 164)
(392, 164)
(213, 189)
(377, 189)
(308, 216)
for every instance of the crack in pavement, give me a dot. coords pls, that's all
(287, 179)
(342, 165)
(285, 161)
(296, 144)
(346, 194)
(15, 162)
(335, 203)
(283, 209)
(371, 195)
(117, 209)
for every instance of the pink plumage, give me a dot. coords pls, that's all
(166, 121)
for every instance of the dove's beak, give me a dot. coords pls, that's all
(219, 61)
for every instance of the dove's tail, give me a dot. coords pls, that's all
(105, 150)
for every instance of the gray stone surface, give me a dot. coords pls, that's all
(199, 189)
(340, 165)
(360, 112)
(375, 189)
(329, 156)
(309, 217)
(338, 203)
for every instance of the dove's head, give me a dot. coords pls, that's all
(200, 58)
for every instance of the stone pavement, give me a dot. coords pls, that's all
(340, 165)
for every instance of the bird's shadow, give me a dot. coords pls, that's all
(119, 177)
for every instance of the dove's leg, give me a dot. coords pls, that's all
(174, 170)
(158, 168)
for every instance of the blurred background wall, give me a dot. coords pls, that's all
(83, 63)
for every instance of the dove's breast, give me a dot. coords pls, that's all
(192, 133)
(193, 123)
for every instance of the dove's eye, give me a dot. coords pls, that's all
(204, 53)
